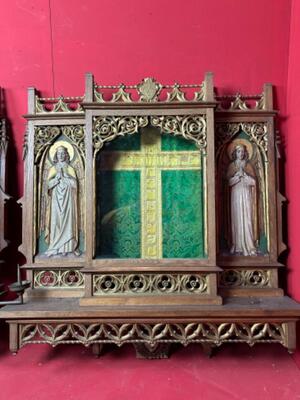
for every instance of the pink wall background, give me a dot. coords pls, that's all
(50, 44)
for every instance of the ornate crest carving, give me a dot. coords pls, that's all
(176, 94)
(241, 102)
(149, 89)
(58, 105)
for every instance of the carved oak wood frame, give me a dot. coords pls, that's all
(29, 199)
(3, 161)
(250, 320)
(205, 103)
(62, 115)
(239, 113)
(93, 109)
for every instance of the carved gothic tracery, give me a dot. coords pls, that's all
(60, 104)
(149, 283)
(191, 127)
(148, 91)
(257, 132)
(58, 279)
(241, 102)
(233, 278)
(184, 333)
(106, 129)
(45, 135)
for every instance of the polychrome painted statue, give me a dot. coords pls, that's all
(62, 214)
(242, 185)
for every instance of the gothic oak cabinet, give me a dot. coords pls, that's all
(3, 155)
(151, 216)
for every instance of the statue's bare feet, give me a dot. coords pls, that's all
(77, 253)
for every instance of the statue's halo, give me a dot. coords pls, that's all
(239, 142)
(60, 143)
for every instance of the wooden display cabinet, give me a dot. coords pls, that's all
(152, 216)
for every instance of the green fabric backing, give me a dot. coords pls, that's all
(176, 143)
(182, 214)
(118, 224)
(125, 143)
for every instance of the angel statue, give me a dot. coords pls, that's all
(242, 185)
(61, 222)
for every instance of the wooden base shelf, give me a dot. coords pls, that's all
(64, 321)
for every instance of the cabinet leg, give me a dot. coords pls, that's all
(13, 337)
(289, 329)
(97, 349)
(208, 349)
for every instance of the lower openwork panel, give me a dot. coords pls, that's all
(247, 320)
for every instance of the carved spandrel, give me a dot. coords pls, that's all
(190, 127)
(44, 136)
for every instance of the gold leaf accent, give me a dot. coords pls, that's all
(184, 333)
(191, 127)
(238, 103)
(149, 90)
(121, 95)
(105, 129)
(176, 94)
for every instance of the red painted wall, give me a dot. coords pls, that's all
(50, 44)
(293, 152)
(293, 157)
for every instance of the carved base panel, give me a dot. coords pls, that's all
(249, 281)
(238, 320)
(109, 288)
(151, 340)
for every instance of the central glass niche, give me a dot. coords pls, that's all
(150, 198)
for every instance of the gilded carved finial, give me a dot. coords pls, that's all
(149, 89)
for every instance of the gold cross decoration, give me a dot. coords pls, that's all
(150, 160)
